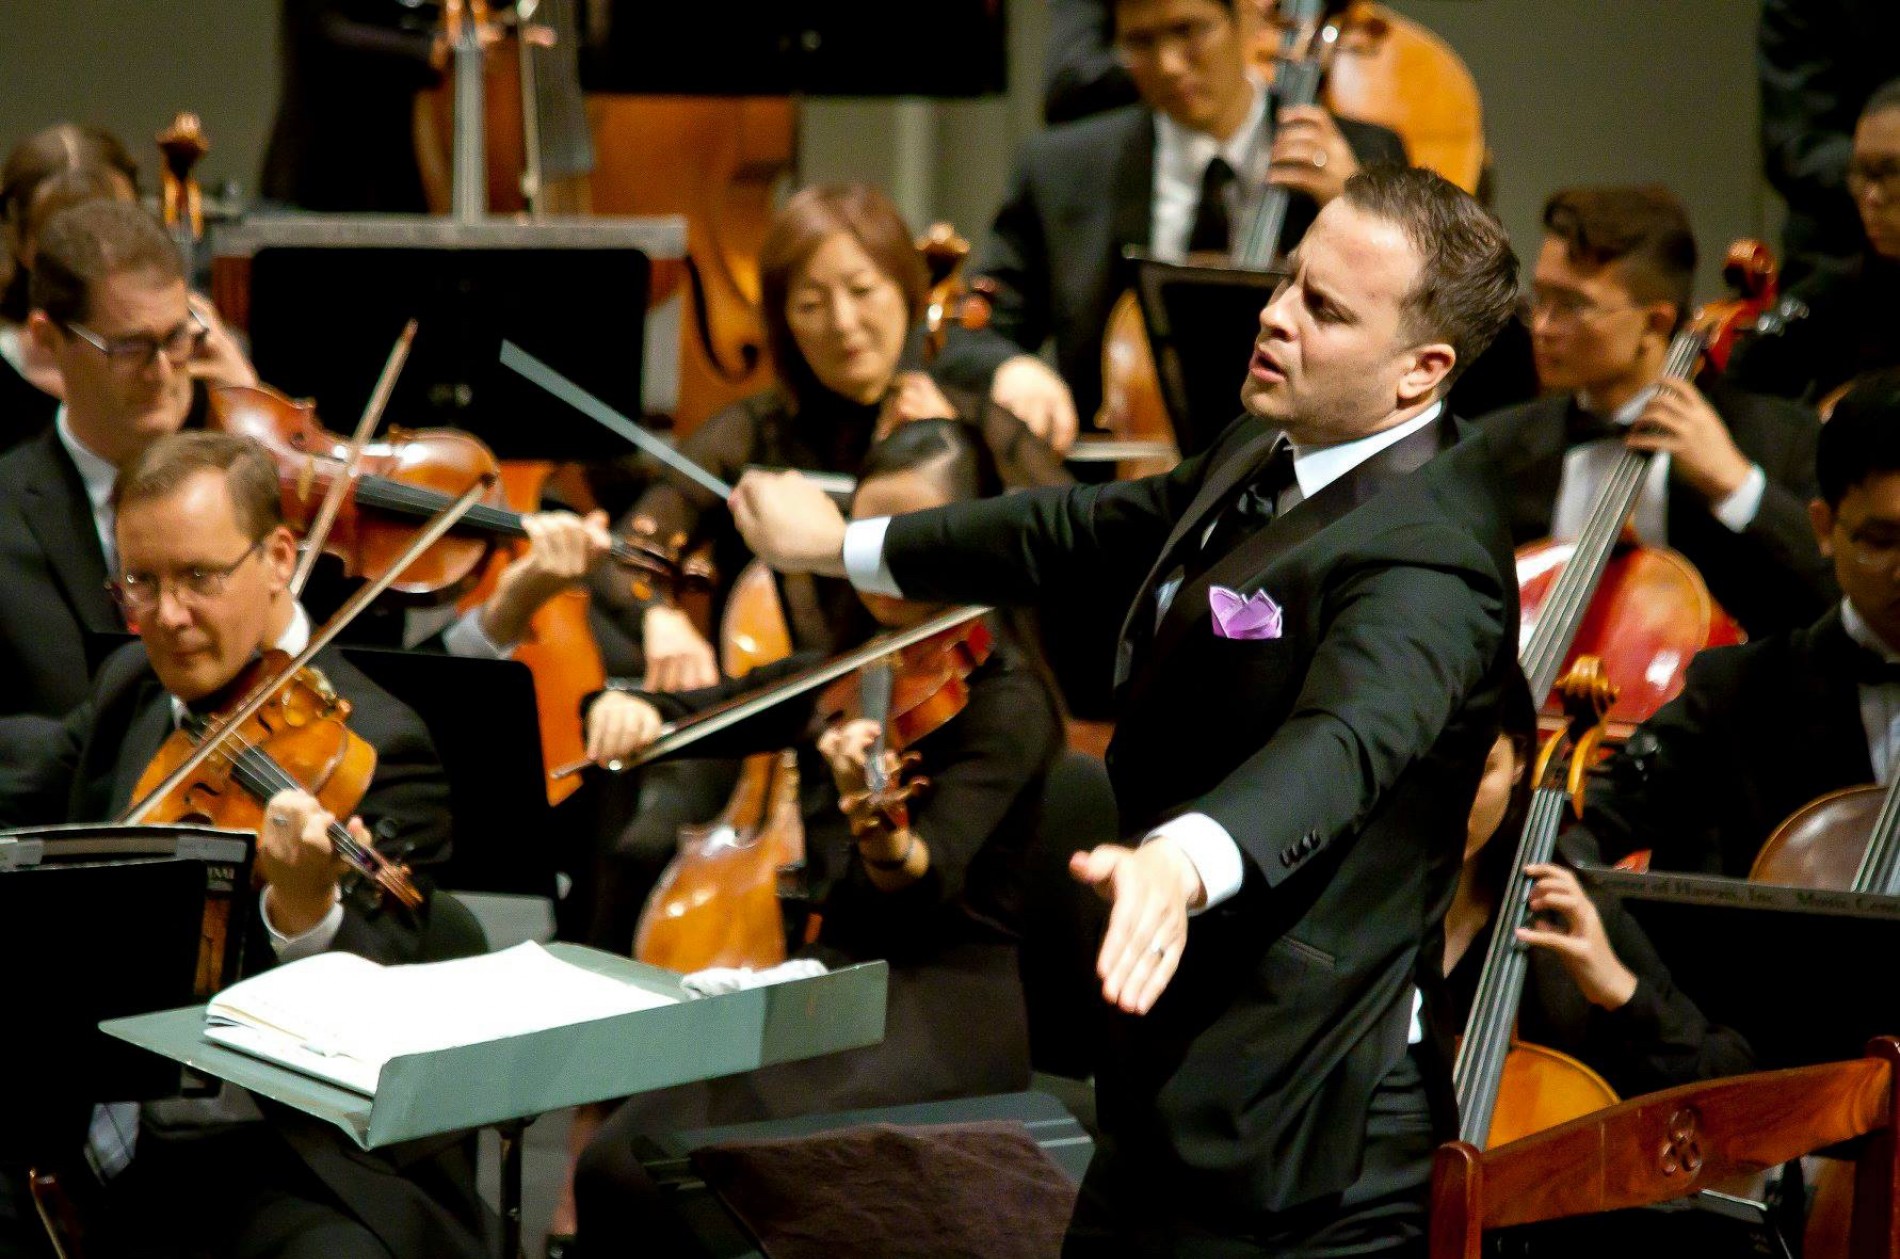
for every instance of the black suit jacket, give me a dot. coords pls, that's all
(1758, 731)
(1341, 756)
(1082, 193)
(52, 580)
(1770, 576)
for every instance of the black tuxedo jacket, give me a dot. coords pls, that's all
(52, 580)
(1758, 731)
(1081, 193)
(1770, 576)
(84, 767)
(1341, 756)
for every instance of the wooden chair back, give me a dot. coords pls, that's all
(1675, 1143)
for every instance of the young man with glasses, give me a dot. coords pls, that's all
(1733, 471)
(203, 565)
(1763, 729)
(1837, 324)
(1177, 173)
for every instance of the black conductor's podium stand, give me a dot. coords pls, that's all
(100, 922)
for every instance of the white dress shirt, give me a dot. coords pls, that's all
(99, 474)
(289, 948)
(1879, 702)
(1181, 158)
(1587, 465)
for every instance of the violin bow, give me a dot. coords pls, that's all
(676, 735)
(319, 531)
(431, 533)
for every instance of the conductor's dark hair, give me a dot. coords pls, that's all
(250, 475)
(1643, 227)
(85, 244)
(1862, 437)
(950, 452)
(1467, 283)
(1885, 97)
(1517, 722)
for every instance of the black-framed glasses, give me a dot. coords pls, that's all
(1193, 37)
(139, 593)
(136, 353)
(1864, 175)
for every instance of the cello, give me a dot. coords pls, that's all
(1506, 1088)
(1642, 610)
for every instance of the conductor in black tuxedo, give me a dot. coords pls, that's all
(1171, 175)
(204, 562)
(1762, 729)
(1734, 471)
(1321, 615)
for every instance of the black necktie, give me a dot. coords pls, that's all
(1252, 509)
(1212, 228)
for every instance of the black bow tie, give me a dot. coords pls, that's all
(1873, 669)
(1582, 426)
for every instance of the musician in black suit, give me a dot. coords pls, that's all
(1321, 615)
(1762, 729)
(204, 564)
(1171, 175)
(1734, 472)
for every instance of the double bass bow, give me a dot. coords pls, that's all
(1506, 1088)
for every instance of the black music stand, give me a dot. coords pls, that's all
(1747, 954)
(483, 718)
(99, 922)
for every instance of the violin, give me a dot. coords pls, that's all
(1506, 1088)
(400, 480)
(1642, 610)
(299, 740)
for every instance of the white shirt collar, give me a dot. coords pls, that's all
(1629, 412)
(293, 640)
(1317, 467)
(1863, 633)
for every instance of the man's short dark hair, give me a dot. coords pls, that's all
(84, 244)
(1467, 283)
(1862, 438)
(250, 475)
(1643, 227)
(1887, 96)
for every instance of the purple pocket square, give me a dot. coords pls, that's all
(1254, 617)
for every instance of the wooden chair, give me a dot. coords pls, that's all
(1675, 1143)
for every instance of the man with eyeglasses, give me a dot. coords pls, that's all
(1174, 174)
(1762, 729)
(1732, 472)
(203, 563)
(1837, 324)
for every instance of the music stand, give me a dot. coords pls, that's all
(1745, 954)
(486, 727)
(1201, 320)
(103, 921)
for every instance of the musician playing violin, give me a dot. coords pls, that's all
(940, 898)
(1733, 471)
(203, 562)
(1175, 174)
(1596, 988)
(1838, 323)
(1761, 730)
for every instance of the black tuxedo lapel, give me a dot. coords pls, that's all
(1131, 193)
(1288, 529)
(145, 733)
(60, 516)
(1834, 734)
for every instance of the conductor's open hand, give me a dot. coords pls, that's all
(1151, 889)
(789, 523)
(297, 861)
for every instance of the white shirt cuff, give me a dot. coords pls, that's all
(467, 638)
(305, 944)
(1210, 849)
(1738, 510)
(864, 557)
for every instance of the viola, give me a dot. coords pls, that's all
(1642, 610)
(299, 739)
(403, 479)
(1508, 1089)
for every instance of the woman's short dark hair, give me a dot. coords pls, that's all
(1862, 437)
(810, 218)
(27, 192)
(951, 452)
(1467, 285)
